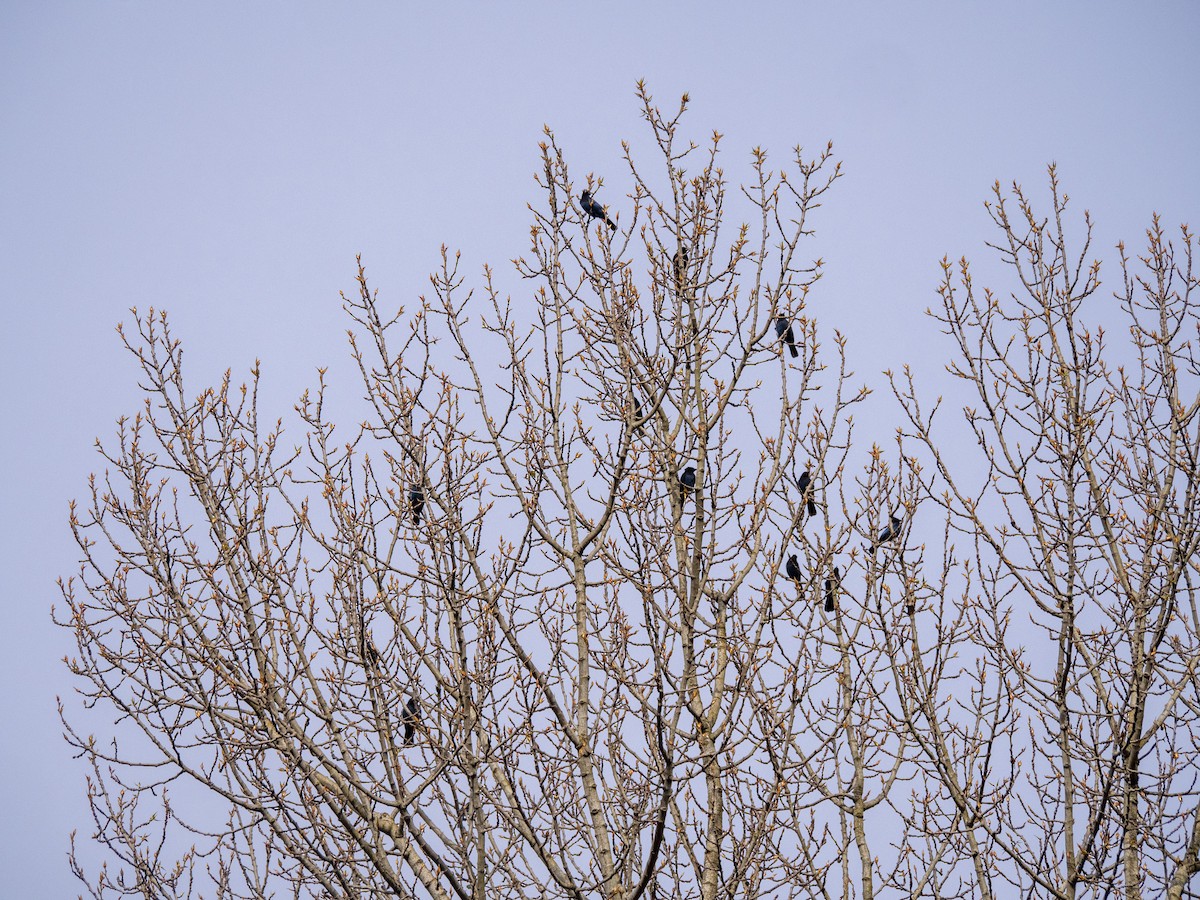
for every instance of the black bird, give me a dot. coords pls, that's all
(792, 569)
(595, 210)
(889, 532)
(805, 484)
(831, 586)
(638, 412)
(409, 719)
(369, 654)
(416, 502)
(680, 265)
(687, 481)
(783, 328)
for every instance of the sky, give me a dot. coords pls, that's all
(227, 161)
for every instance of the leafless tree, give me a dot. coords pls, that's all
(491, 644)
(1064, 759)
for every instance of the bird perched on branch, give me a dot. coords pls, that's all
(595, 210)
(680, 265)
(687, 482)
(638, 412)
(367, 649)
(831, 586)
(804, 482)
(410, 718)
(792, 569)
(890, 531)
(783, 328)
(416, 502)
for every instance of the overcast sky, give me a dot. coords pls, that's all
(227, 161)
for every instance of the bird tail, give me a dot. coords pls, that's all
(611, 223)
(795, 352)
(812, 508)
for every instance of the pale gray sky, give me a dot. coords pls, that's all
(226, 161)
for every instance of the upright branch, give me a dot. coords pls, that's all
(1085, 527)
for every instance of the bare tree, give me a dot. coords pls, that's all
(1065, 759)
(530, 632)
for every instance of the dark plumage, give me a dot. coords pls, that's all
(889, 533)
(595, 209)
(783, 328)
(792, 569)
(687, 482)
(831, 587)
(806, 495)
(369, 654)
(680, 264)
(638, 412)
(416, 502)
(410, 718)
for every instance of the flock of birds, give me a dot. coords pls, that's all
(687, 483)
(410, 718)
(687, 478)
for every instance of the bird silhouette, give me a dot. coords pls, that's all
(638, 412)
(804, 482)
(783, 328)
(367, 647)
(687, 482)
(416, 502)
(680, 264)
(792, 569)
(595, 210)
(410, 718)
(831, 586)
(889, 533)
